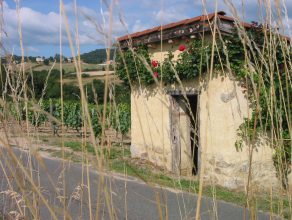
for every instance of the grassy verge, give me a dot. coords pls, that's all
(262, 202)
(116, 152)
(118, 161)
(77, 146)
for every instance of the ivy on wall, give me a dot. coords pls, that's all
(260, 61)
(194, 60)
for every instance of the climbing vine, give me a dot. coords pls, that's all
(260, 60)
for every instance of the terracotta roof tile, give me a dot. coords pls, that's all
(227, 18)
(220, 14)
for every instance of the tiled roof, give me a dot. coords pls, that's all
(207, 17)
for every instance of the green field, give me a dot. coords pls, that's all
(68, 67)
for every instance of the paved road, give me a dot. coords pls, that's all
(131, 198)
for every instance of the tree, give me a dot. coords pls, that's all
(47, 62)
(57, 57)
(32, 59)
(96, 56)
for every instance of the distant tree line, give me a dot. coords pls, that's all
(96, 56)
(32, 58)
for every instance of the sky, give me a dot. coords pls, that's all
(40, 20)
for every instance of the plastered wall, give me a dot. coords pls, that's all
(222, 108)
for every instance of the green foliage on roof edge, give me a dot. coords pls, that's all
(251, 62)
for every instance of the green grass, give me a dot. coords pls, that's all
(239, 198)
(116, 152)
(77, 146)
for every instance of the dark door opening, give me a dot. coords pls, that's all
(189, 104)
(193, 113)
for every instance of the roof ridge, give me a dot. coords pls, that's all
(204, 17)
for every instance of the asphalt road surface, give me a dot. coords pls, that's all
(128, 197)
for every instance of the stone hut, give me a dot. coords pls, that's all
(188, 139)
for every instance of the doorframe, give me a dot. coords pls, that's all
(174, 147)
(171, 94)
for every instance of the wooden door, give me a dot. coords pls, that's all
(175, 135)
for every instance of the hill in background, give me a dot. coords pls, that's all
(96, 56)
(92, 57)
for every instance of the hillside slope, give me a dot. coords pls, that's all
(96, 56)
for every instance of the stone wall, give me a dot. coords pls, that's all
(234, 174)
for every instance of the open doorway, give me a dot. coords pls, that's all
(193, 114)
(185, 126)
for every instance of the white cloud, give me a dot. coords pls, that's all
(81, 10)
(170, 15)
(139, 26)
(35, 25)
(39, 29)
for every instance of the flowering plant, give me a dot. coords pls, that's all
(154, 63)
(155, 74)
(182, 48)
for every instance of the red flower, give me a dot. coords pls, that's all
(182, 47)
(155, 74)
(154, 63)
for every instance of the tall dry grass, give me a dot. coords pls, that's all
(21, 184)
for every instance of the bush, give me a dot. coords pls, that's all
(85, 75)
(95, 88)
(47, 62)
